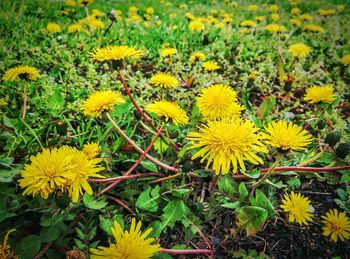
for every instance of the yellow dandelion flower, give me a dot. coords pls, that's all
(306, 17)
(75, 28)
(96, 14)
(346, 60)
(295, 22)
(102, 101)
(110, 53)
(220, 25)
(299, 50)
(218, 101)
(3, 102)
(275, 17)
(183, 6)
(211, 65)
(196, 25)
(96, 24)
(259, 18)
(252, 8)
(298, 207)
(228, 20)
(313, 28)
(150, 10)
(49, 170)
(328, 12)
(133, 9)
(71, 3)
(317, 94)
(21, 72)
(5, 249)
(53, 27)
(197, 56)
(190, 16)
(295, 10)
(85, 2)
(275, 28)
(285, 136)
(248, 23)
(337, 225)
(83, 168)
(168, 52)
(164, 80)
(91, 150)
(169, 110)
(227, 142)
(273, 8)
(132, 244)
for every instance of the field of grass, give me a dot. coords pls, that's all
(222, 126)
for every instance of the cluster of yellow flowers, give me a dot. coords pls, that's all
(299, 209)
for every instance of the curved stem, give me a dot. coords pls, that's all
(269, 172)
(138, 108)
(24, 111)
(131, 142)
(123, 178)
(186, 252)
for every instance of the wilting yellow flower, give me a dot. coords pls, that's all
(83, 168)
(75, 28)
(96, 24)
(21, 72)
(102, 101)
(273, 8)
(317, 94)
(196, 25)
(275, 17)
(197, 56)
(132, 244)
(85, 2)
(275, 28)
(313, 28)
(116, 53)
(295, 22)
(299, 50)
(48, 171)
(346, 60)
(337, 225)
(298, 207)
(248, 23)
(53, 27)
(285, 136)
(169, 110)
(211, 65)
(227, 142)
(306, 17)
(71, 3)
(168, 52)
(5, 249)
(91, 150)
(252, 8)
(295, 10)
(75, 254)
(164, 80)
(259, 18)
(328, 12)
(218, 101)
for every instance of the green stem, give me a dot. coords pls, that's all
(270, 172)
(33, 133)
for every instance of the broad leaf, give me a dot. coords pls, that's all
(252, 219)
(148, 199)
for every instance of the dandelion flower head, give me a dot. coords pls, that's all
(248, 23)
(211, 66)
(346, 60)
(197, 56)
(132, 244)
(164, 80)
(225, 143)
(169, 110)
(286, 135)
(298, 208)
(91, 150)
(168, 52)
(110, 53)
(196, 25)
(275, 28)
(5, 249)
(102, 101)
(336, 225)
(21, 72)
(299, 50)
(53, 27)
(317, 94)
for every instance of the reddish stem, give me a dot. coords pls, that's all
(119, 202)
(297, 169)
(186, 252)
(136, 163)
(124, 177)
(202, 235)
(24, 112)
(138, 108)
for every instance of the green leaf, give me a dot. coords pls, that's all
(262, 201)
(56, 101)
(173, 212)
(243, 192)
(227, 185)
(160, 146)
(180, 192)
(91, 202)
(231, 205)
(28, 247)
(106, 225)
(294, 182)
(255, 173)
(266, 107)
(149, 166)
(252, 219)
(48, 234)
(148, 199)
